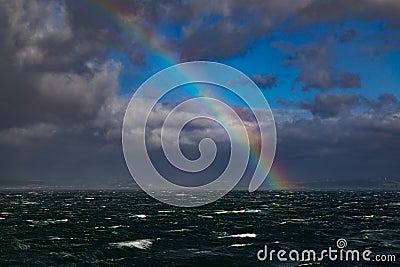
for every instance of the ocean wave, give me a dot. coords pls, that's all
(57, 221)
(62, 254)
(236, 211)
(20, 245)
(241, 245)
(55, 238)
(293, 221)
(118, 226)
(140, 244)
(205, 216)
(142, 216)
(45, 222)
(247, 235)
(179, 230)
(29, 203)
(361, 216)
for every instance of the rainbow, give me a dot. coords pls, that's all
(277, 179)
(113, 12)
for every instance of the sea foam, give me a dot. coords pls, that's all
(140, 244)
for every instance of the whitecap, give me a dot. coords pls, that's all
(29, 203)
(293, 221)
(165, 211)
(236, 211)
(117, 226)
(56, 221)
(140, 244)
(241, 245)
(142, 216)
(205, 216)
(361, 216)
(239, 236)
(62, 254)
(179, 230)
(203, 252)
(55, 238)
(225, 212)
(36, 223)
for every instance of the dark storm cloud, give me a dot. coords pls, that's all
(59, 112)
(384, 103)
(208, 38)
(383, 13)
(76, 156)
(53, 73)
(217, 30)
(214, 31)
(331, 105)
(266, 81)
(357, 146)
(335, 105)
(64, 35)
(102, 33)
(42, 36)
(333, 10)
(335, 143)
(315, 67)
(360, 146)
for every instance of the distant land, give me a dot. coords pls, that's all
(126, 184)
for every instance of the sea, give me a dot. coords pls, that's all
(129, 228)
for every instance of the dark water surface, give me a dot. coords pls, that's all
(130, 228)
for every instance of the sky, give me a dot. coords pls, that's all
(329, 70)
